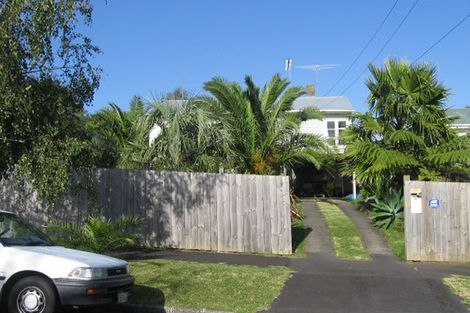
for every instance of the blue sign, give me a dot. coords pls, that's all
(434, 203)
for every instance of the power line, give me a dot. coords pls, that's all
(381, 49)
(442, 38)
(364, 48)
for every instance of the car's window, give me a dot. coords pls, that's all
(16, 232)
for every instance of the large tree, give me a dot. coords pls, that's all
(45, 81)
(406, 130)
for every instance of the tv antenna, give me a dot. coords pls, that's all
(288, 66)
(317, 68)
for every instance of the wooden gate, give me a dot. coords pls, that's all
(437, 221)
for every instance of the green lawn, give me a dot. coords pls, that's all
(346, 239)
(459, 285)
(243, 289)
(395, 237)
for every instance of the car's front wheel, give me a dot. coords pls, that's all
(32, 294)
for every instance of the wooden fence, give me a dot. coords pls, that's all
(437, 221)
(216, 212)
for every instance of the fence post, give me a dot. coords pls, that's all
(354, 186)
(406, 209)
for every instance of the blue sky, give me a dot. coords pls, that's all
(151, 47)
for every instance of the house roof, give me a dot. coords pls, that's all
(462, 115)
(324, 104)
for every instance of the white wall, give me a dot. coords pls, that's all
(461, 129)
(319, 127)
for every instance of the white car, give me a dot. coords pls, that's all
(37, 276)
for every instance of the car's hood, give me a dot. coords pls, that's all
(52, 261)
(86, 259)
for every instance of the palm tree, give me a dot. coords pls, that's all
(405, 129)
(96, 234)
(192, 137)
(264, 131)
(122, 135)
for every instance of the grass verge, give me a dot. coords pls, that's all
(459, 285)
(395, 237)
(346, 239)
(299, 234)
(241, 289)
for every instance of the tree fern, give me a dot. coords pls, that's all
(406, 130)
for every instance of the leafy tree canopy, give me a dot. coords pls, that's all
(45, 81)
(406, 130)
(244, 130)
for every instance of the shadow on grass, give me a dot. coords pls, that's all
(147, 295)
(299, 233)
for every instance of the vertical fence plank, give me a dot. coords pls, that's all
(246, 214)
(266, 214)
(234, 225)
(253, 226)
(287, 238)
(227, 216)
(238, 198)
(212, 203)
(274, 215)
(259, 214)
(464, 222)
(221, 227)
(184, 195)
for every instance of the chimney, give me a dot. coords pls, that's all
(310, 89)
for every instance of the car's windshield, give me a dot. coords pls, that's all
(16, 232)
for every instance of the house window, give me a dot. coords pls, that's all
(331, 129)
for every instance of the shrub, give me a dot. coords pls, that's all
(96, 234)
(363, 204)
(387, 210)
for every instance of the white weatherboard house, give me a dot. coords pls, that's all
(337, 116)
(462, 122)
(337, 111)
